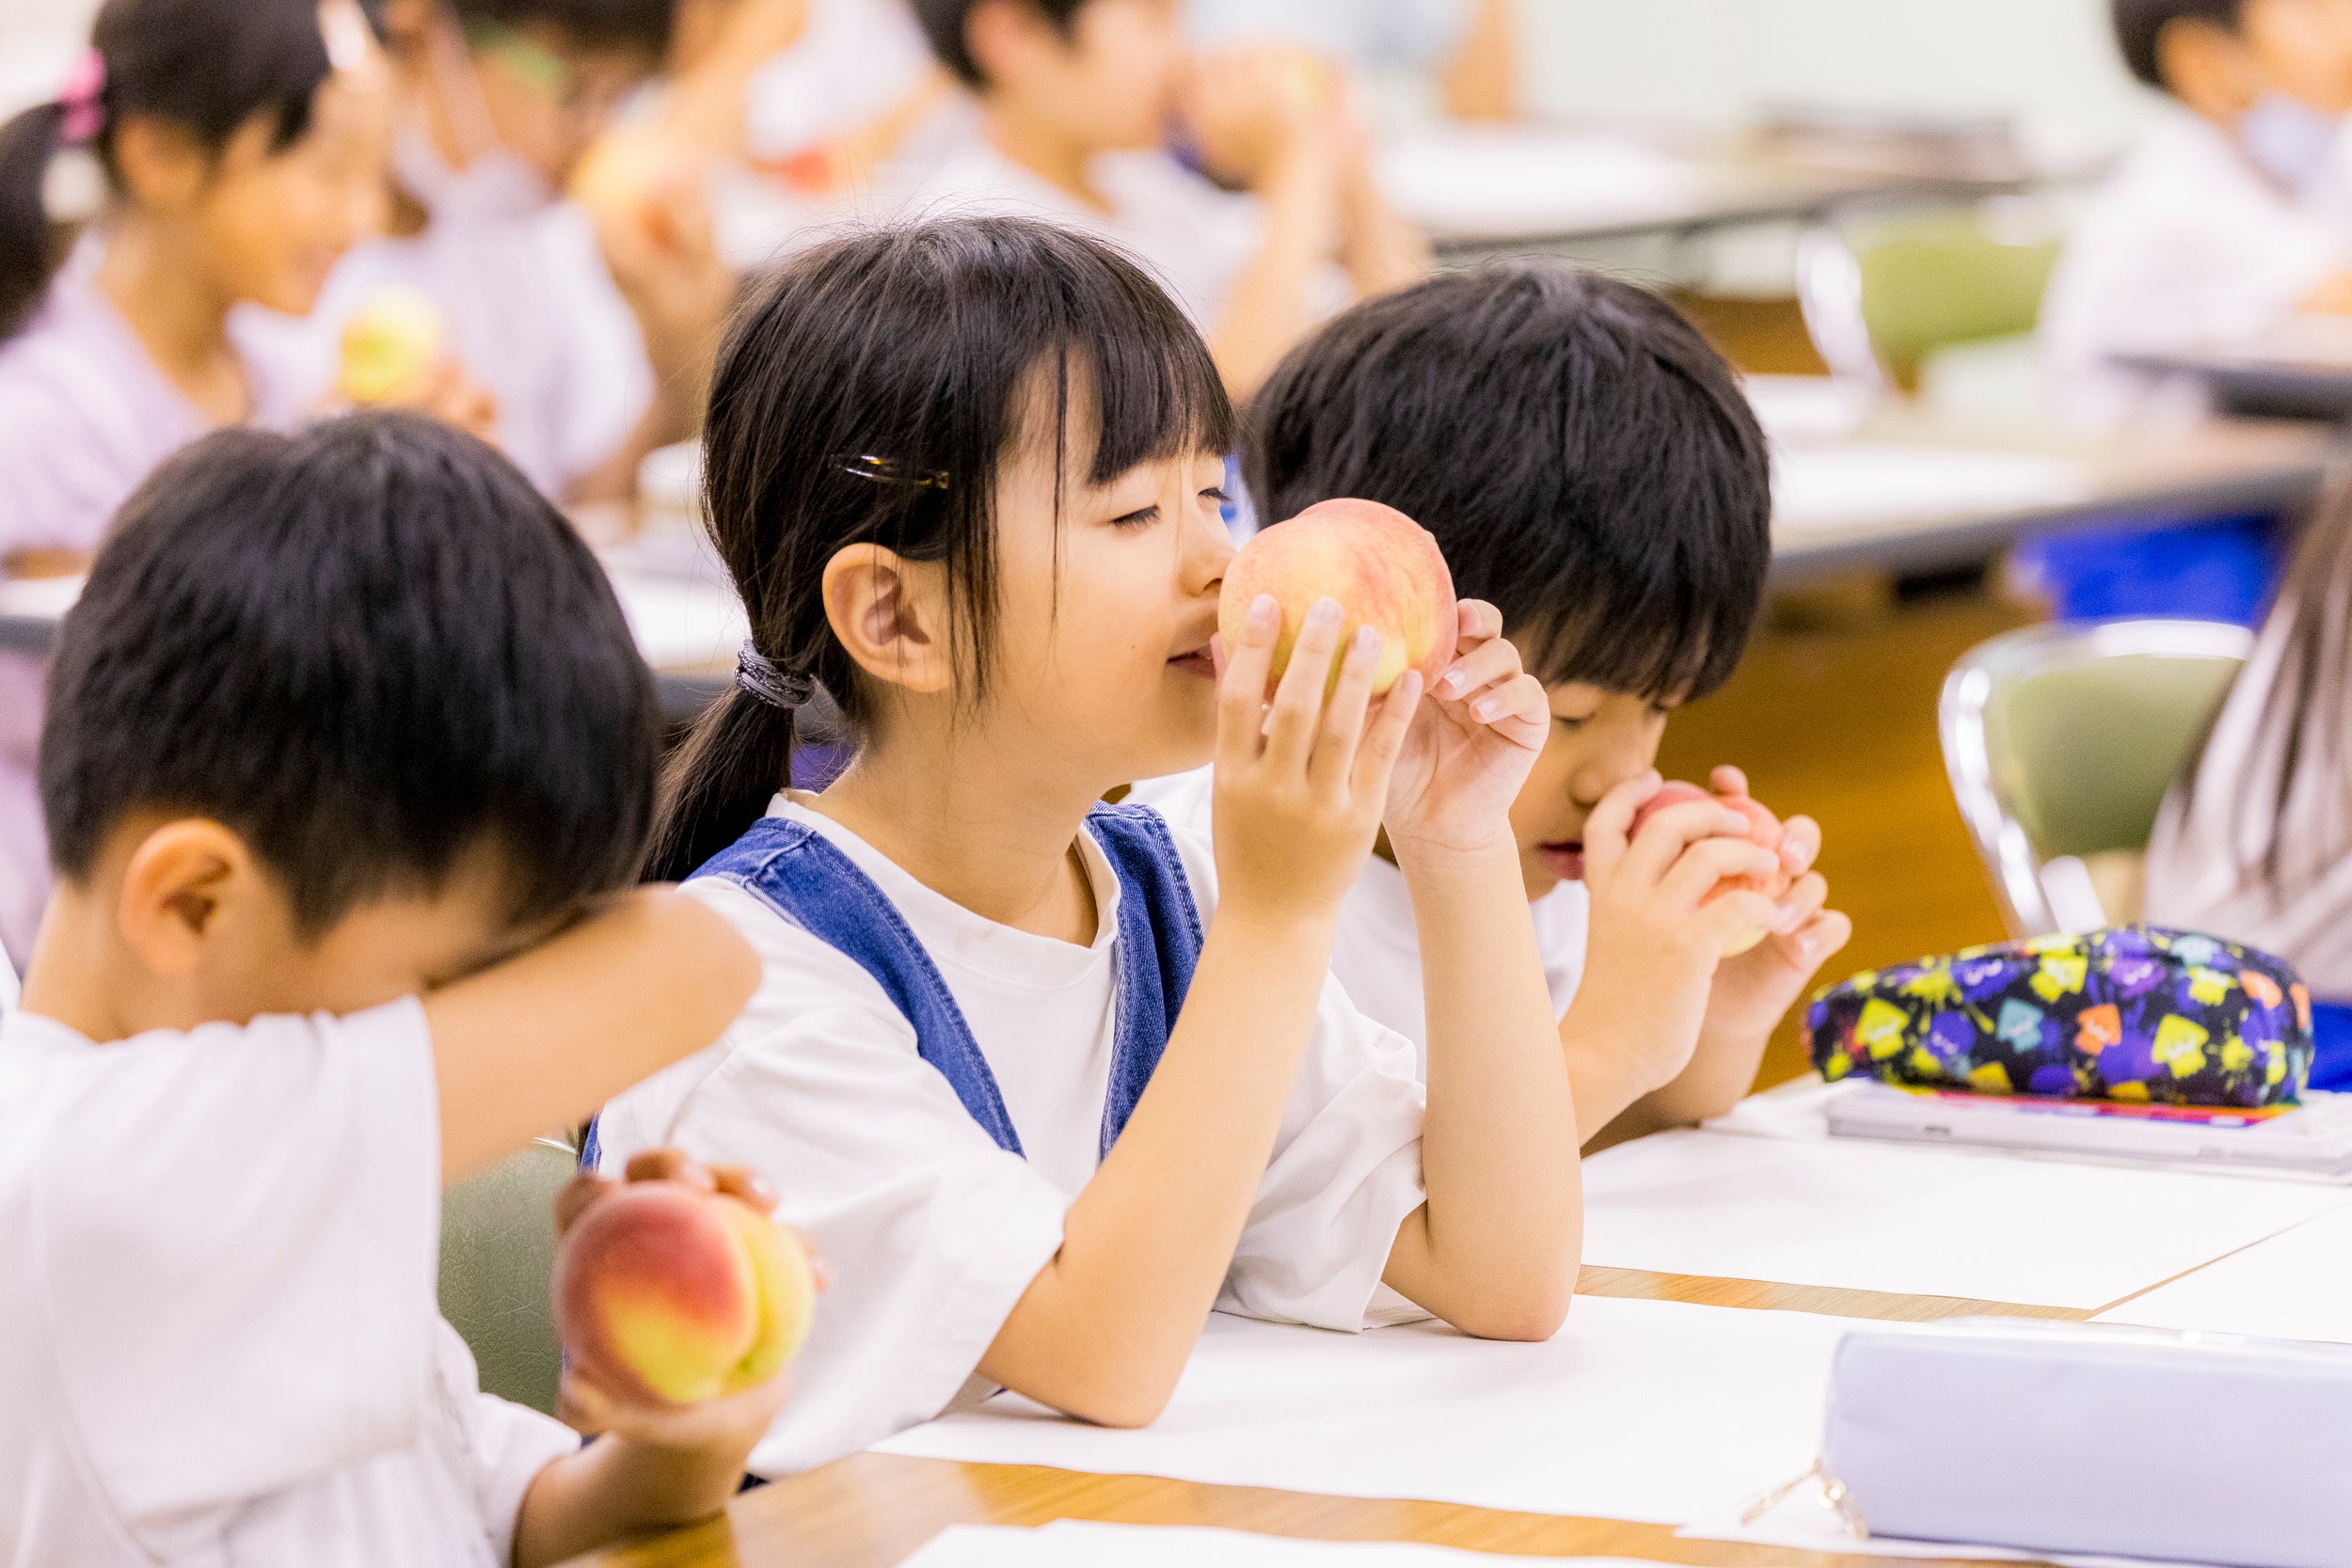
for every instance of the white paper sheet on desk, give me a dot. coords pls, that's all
(1642, 1409)
(1082, 1544)
(2297, 1285)
(1919, 1221)
(1505, 181)
(1802, 1521)
(1824, 488)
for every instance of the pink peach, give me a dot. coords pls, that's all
(1384, 569)
(666, 1294)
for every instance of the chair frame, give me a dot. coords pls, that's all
(2011, 861)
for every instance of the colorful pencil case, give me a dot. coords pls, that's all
(2137, 1014)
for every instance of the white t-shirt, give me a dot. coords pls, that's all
(1377, 955)
(2185, 245)
(1194, 237)
(932, 1232)
(533, 316)
(218, 1342)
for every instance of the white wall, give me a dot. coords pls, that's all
(2051, 64)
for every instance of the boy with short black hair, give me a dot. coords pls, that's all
(347, 750)
(2233, 213)
(1589, 465)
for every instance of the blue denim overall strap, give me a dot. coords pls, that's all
(804, 878)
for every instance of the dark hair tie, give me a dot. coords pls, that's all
(756, 673)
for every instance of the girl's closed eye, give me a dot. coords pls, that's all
(1141, 517)
(1571, 723)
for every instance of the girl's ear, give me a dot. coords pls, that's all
(890, 614)
(163, 166)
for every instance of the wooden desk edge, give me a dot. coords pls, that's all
(872, 1509)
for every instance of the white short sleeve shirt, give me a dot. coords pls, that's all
(929, 1232)
(1377, 957)
(2185, 245)
(218, 1342)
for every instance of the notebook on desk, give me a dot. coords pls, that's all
(2313, 1139)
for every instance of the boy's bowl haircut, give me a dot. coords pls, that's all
(368, 649)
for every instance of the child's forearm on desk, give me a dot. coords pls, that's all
(1494, 1250)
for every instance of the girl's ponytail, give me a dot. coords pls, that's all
(718, 782)
(33, 244)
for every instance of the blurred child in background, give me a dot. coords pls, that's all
(2235, 212)
(1074, 100)
(593, 342)
(2255, 842)
(210, 159)
(1467, 48)
(1590, 467)
(350, 758)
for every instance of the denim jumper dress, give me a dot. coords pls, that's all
(797, 872)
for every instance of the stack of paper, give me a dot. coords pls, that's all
(2297, 1285)
(1919, 1221)
(1077, 1543)
(1641, 1410)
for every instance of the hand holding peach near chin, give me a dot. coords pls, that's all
(673, 1289)
(1763, 829)
(1384, 570)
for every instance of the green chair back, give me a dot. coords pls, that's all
(1933, 282)
(498, 1255)
(2062, 741)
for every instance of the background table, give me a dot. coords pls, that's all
(871, 1511)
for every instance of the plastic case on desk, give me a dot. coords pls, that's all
(2044, 1437)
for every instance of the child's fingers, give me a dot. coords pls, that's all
(577, 1195)
(1819, 938)
(1800, 844)
(1290, 730)
(1241, 694)
(1665, 837)
(1728, 780)
(1735, 913)
(668, 1164)
(1476, 621)
(1704, 866)
(1489, 663)
(1376, 759)
(1517, 705)
(1609, 827)
(1345, 714)
(741, 1181)
(1805, 899)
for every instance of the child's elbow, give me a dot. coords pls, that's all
(1528, 1313)
(1123, 1409)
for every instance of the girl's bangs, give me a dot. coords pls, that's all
(1158, 393)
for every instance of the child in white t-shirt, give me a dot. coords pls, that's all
(2235, 212)
(1046, 1079)
(349, 748)
(1588, 465)
(592, 340)
(204, 164)
(1072, 102)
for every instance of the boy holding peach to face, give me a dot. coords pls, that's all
(348, 756)
(1588, 464)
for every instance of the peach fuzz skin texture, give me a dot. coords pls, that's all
(1384, 569)
(1763, 828)
(667, 1295)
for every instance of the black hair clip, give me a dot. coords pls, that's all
(884, 470)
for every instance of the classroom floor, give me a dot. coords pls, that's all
(1834, 715)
